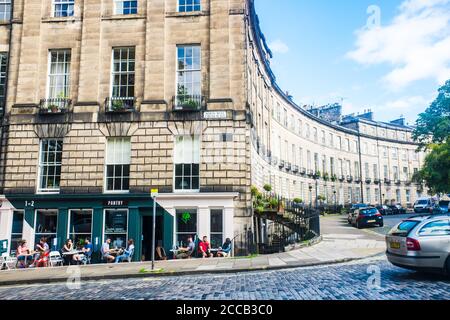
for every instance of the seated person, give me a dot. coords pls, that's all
(204, 248)
(106, 251)
(225, 251)
(41, 249)
(160, 252)
(186, 253)
(127, 253)
(68, 247)
(87, 250)
(22, 253)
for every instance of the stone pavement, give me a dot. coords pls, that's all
(340, 243)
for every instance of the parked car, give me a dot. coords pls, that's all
(423, 205)
(397, 209)
(443, 207)
(366, 217)
(384, 210)
(353, 208)
(420, 243)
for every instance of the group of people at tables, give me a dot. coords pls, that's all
(27, 258)
(204, 249)
(34, 258)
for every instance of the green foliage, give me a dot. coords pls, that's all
(268, 187)
(433, 126)
(436, 168)
(298, 200)
(326, 176)
(254, 191)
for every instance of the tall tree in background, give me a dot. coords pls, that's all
(433, 134)
(433, 126)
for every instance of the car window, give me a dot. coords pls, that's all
(422, 202)
(436, 228)
(369, 211)
(404, 228)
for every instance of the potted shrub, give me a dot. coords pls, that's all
(297, 202)
(117, 105)
(326, 177)
(268, 187)
(333, 178)
(53, 108)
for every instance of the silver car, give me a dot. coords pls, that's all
(421, 243)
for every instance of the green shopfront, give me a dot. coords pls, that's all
(98, 217)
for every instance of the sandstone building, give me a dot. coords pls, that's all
(103, 100)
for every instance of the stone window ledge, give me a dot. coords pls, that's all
(186, 14)
(123, 17)
(60, 19)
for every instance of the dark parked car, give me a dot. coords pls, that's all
(397, 209)
(366, 217)
(353, 208)
(384, 210)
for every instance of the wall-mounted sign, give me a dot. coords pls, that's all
(154, 193)
(115, 203)
(214, 115)
(186, 217)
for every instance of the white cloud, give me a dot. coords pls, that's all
(406, 103)
(416, 44)
(279, 46)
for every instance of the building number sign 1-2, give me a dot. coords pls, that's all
(29, 203)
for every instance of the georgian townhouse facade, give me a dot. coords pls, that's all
(104, 100)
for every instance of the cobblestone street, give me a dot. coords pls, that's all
(354, 281)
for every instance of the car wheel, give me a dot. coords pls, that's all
(447, 267)
(382, 225)
(358, 226)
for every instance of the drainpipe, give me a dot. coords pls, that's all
(4, 125)
(360, 163)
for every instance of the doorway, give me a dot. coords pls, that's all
(147, 232)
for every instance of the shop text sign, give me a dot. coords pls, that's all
(115, 203)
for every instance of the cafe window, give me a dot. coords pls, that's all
(46, 222)
(118, 159)
(216, 228)
(80, 226)
(116, 227)
(187, 163)
(186, 225)
(50, 161)
(17, 229)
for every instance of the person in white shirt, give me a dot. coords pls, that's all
(128, 252)
(106, 251)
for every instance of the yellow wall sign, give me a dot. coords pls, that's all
(154, 192)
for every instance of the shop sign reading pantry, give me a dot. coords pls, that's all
(115, 203)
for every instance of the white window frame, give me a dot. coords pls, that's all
(69, 234)
(46, 234)
(175, 162)
(41, 190)
(65, 75)
(119, 8)
(107, 162)
(191, 5)
(176, 223)
(5, 15)
(60, 3)
(104, 224)
(192, 71)
(121, 72)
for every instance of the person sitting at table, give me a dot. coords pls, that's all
(204, 248)
(127, 253)
(22, 253)
(87, 250)
(225, 251)
(186, 253)
(68, 248)
(106, 251)
(40, 248)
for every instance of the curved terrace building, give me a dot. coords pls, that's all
(103, 100)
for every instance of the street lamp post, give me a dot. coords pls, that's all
(310, 195)
(335, 201)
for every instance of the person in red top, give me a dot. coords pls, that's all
(204, 248)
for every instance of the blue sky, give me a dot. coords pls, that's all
(391, 58)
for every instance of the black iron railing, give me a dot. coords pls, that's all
(294, 168)
(188, 103)
(120, 104)
(54, 105)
